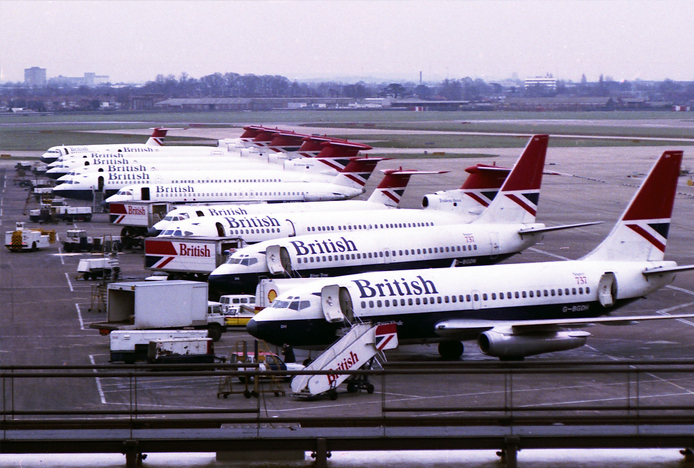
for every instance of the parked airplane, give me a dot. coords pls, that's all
(154, 141)
(387, 195)
(203, 185)
(513, 310)
(296, 224)
(504, 229)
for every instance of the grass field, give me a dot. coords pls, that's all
(446, 129)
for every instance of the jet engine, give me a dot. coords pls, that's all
(514, 346)
(450, 200)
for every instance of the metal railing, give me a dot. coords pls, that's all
(460, 393)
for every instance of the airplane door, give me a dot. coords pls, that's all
(278, 261)
(476, 300)
(220, 230)
(494, 243)
(386, 256)
(331, 302)
(607, 290)
(144, 193)
(100, 184)
(346, 304)
(292, 231)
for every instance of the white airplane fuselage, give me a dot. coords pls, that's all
(487, 296)
(346, 253)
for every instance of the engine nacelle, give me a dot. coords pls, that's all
(511, 346)
(450, 200)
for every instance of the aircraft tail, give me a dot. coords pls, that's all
(484, 182)
(357, 172)
(157, 138)
(389, 192)
(641, 233)
(519, 195)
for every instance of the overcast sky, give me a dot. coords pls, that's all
(134, 41)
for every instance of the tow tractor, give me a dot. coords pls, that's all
(23, 238)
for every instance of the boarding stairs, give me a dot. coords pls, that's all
(356, 348)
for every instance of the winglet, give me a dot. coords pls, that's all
(641, 233)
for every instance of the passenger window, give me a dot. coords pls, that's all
(476, 297)
(484, 297)
(371, 304)
(525, 294)
(493, 296)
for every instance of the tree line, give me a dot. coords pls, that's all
(234, 85)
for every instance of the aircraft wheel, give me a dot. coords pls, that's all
(369, 389)
(247, 393)
(332, 393)
(352, 387)
(451, 350)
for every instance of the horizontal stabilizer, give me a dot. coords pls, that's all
(664, 269)
(535, 230)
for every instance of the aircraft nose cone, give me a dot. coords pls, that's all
(252, 327)
(152, 232)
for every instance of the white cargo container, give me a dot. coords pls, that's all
(181, 350)
(156, 305)
(133, 345)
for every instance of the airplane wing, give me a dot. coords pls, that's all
(556, 228)
(465, 327)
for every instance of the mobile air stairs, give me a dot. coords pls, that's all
(356, 348)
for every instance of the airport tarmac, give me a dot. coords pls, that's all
(45, 310)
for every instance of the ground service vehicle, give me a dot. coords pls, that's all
(102, 267)
(157, 305)
(189, 257)
(59, 211)
(77, 240)
(181, 351)
(28, 239)
(137, 217)
(133, 345)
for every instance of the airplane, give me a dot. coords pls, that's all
(154, 141)
(297, 224)
(507, 227)
(388, 194)
(207, 184)
(512, 310)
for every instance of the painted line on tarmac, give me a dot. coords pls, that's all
(548, 253)
(79, 316)
(69, 283)
(98, 382)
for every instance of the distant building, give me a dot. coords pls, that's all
(35, 76)
(548, 82)
(89, 79)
